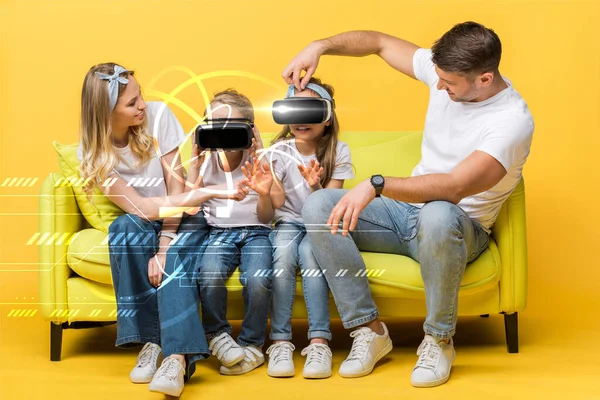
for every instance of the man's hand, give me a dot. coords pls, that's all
(350, 206)
(307, 60)
(312, 174)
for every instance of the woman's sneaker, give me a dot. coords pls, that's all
(254, 358)
(318, 361)
(169, 378)
(227, 351)
(146, 364)
(281, 360)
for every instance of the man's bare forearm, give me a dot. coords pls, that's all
(354, 43)
(424, 188)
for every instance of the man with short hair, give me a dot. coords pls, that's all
(477, 136)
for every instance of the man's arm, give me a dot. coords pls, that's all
(475, 174)
(396, 52)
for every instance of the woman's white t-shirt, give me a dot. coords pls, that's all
(148, 179)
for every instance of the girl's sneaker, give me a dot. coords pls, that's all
(318, 361)
(281, 360)
(146, 364)
(254, 358)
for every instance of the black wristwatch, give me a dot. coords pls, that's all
(378, 182)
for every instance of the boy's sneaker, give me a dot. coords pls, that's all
(146, 364)
(254, 358)
(367, 348)
(227, 351)
(169, 378)
(281, 360)
(318, 361)
(434, 364)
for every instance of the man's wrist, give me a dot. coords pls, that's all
(320, 46)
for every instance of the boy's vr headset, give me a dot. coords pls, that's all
(302, 110)
(228, 134)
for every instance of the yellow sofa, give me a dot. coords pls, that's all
(75, 281)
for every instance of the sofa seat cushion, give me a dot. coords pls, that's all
(87, 255)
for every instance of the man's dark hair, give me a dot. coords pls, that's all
(468, 48)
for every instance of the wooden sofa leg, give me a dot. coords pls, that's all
(511, 327)
(56, 331)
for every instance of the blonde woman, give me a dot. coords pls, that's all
(125, 138)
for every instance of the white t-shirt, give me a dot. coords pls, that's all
(148, 180)
(296, 188)
(224, 213)
(501, 126)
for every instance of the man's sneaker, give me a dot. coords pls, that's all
(367, 348)
(435, 361)
(281, 360)
(254, 358)
(146, 364)
(169, 378)
(318, 361)
(226, 350)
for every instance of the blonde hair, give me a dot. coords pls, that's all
(99, 157)
(326, 148)
(236, 100)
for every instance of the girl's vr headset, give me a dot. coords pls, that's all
(228, 134)
(302, 110)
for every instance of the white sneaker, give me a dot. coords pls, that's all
(146, 364)
(281, 360)
(254, 358)
(226, 350)
(169, 378)
(435, 361)
(318, 362)
(368, 348)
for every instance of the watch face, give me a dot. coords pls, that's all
(377, 180)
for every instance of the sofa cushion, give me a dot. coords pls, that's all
(97, 209)
(87, 255)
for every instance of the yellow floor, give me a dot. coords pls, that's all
(558, 360)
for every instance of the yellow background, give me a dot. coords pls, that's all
(551, 52)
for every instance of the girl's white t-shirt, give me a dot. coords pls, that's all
(296, 188)
(148, 179)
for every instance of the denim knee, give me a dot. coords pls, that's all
(258, 284)
(317, 207)
(438, 220)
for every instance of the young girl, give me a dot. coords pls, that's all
(124, 138)
(313, 159)
(239, 236)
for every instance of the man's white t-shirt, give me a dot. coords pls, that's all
(296, 188)
(148, 179)
(225, 213)
(500, 126)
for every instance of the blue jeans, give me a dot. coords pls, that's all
(440, 236)
(132, 241)
(178, 298)
(226, 248)
(291, 249)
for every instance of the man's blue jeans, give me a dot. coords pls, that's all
(291, 250)
(440, 236)
(226, 248)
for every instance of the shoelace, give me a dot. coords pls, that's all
(362, 339)
(429, 355)
(222, 345)
(149, 352)
(280, 352)
(316, 353)
(169, 368)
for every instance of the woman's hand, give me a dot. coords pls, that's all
(156, 266)
(258, 177)
(312, 174)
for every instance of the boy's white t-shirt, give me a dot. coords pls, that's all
(500, 126)
(225, 213)
(296, 188)
(148, 179)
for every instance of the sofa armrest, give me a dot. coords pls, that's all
(59, 218)
(510, 234)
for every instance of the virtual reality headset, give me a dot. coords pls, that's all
(302, 110)
(229, 134)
